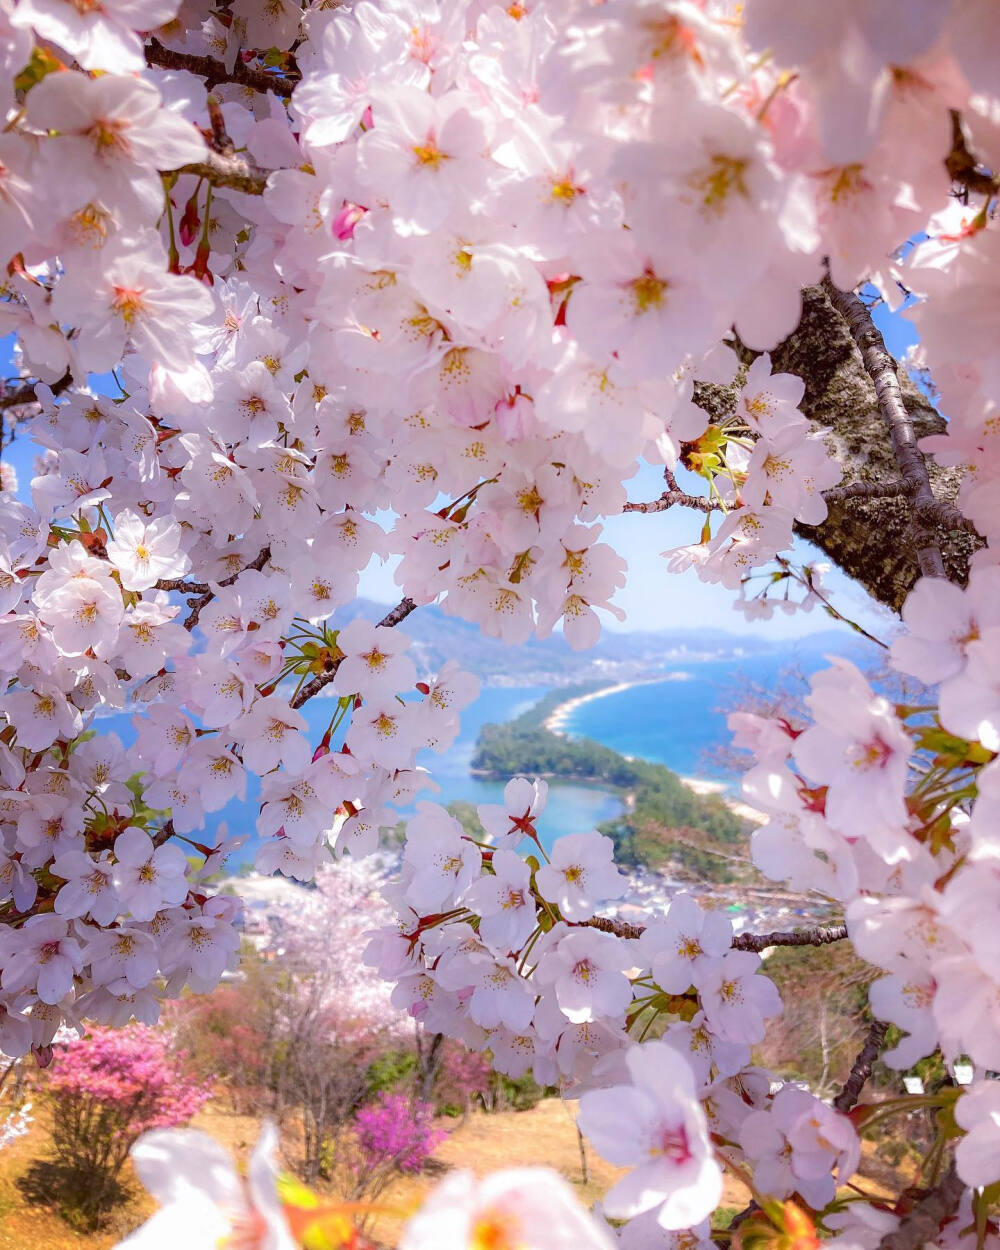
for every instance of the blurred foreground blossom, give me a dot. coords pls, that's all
(207, 1204)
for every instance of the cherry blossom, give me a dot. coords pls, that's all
(203, 1198)
(529, 1207)
(580, 874)
(655, 1126)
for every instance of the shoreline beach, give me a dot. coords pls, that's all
(557, 721)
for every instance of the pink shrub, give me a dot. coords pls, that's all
(107, 1089)
(396, 1133)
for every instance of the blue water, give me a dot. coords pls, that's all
(677, 722)
(570, 809)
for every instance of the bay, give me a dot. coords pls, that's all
(570, 809)
(679, 720)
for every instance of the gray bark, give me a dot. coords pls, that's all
(871, 539)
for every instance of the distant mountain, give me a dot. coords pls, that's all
(437, 637)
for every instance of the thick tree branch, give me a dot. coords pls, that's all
(867, 490)
(938, 512)
(399, 613)
(868, 532)
(215, 72)
(880, 366)
(861, 1068)
(924, 1222)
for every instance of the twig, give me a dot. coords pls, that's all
(881, 367)
(962, 165)
(236, 172)
(924, 1222)
(620, 928)
(205, 592)
(215, 72)
(164, 834)
(671, 498)
(399, 613)
(804, 577)
(861, 1068)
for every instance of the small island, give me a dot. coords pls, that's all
(665, 825)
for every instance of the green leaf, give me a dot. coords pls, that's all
(41, 64)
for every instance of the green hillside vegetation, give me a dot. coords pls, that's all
(665, 824)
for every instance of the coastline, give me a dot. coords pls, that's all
(556, 720)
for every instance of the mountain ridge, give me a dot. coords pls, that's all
(437, 637)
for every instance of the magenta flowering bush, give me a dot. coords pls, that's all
(108, 1089)
(396, 1132)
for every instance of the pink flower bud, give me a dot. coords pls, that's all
(347, 219)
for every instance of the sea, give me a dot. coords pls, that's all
(676, 721)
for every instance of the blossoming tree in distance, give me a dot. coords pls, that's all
(463, 267)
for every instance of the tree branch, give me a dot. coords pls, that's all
(670, 498)
(880, 366)
(25, 394)
(867, 490)
(818, 935)
(962, 165)
(205, 592)
(399, 613)
(861, 1068)
(924, 1222)
(619, 928)
(215, 72)
(224, 170)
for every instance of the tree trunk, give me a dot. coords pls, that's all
(870, 539)
(428, 1064)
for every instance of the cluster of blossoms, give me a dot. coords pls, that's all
(891, 810)
(133, 1076)
(505, 953)
(331, 996)
(767, 468)
(395, 1131)
(428, 282)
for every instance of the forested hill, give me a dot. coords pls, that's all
(665, 824)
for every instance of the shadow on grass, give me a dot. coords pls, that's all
(82, 1203)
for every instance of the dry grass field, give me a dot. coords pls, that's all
(544, 1135)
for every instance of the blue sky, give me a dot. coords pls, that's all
(652, 597)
